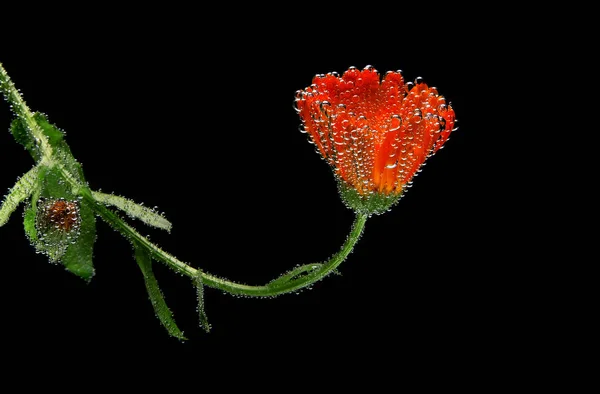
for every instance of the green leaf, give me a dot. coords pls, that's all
(29, 223)
(24, 138)
(24, 187)
(43, 234)
(78, 257)
(70, 244)
(54, 185)
(30, 214)
(61, 149)
(55, 138)
(55, 221)
(295, 273)
(161, 309)
(133, 210)
(203, 318)
(54, 134)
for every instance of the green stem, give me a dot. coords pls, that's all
(273, 288)
(277, 287)
(20, 108)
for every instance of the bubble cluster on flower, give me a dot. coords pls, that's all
(374, 132)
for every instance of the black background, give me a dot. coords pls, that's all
(199, 121)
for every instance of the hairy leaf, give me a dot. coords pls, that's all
(61, 149)
(78, 257)
(161, 309)
(24, 138)
(22, 189)
(136, 211)
(203, 318)
(29, 224)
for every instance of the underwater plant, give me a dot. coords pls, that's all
(375, 132)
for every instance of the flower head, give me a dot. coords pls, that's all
(374, 132)
(60, 214)
(57, 226)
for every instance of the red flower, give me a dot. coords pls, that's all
(375, 134)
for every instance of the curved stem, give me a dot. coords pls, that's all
(283, 285)
(277, 287)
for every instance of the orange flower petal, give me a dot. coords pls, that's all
(375, 133)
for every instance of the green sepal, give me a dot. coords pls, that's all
(372, 204)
